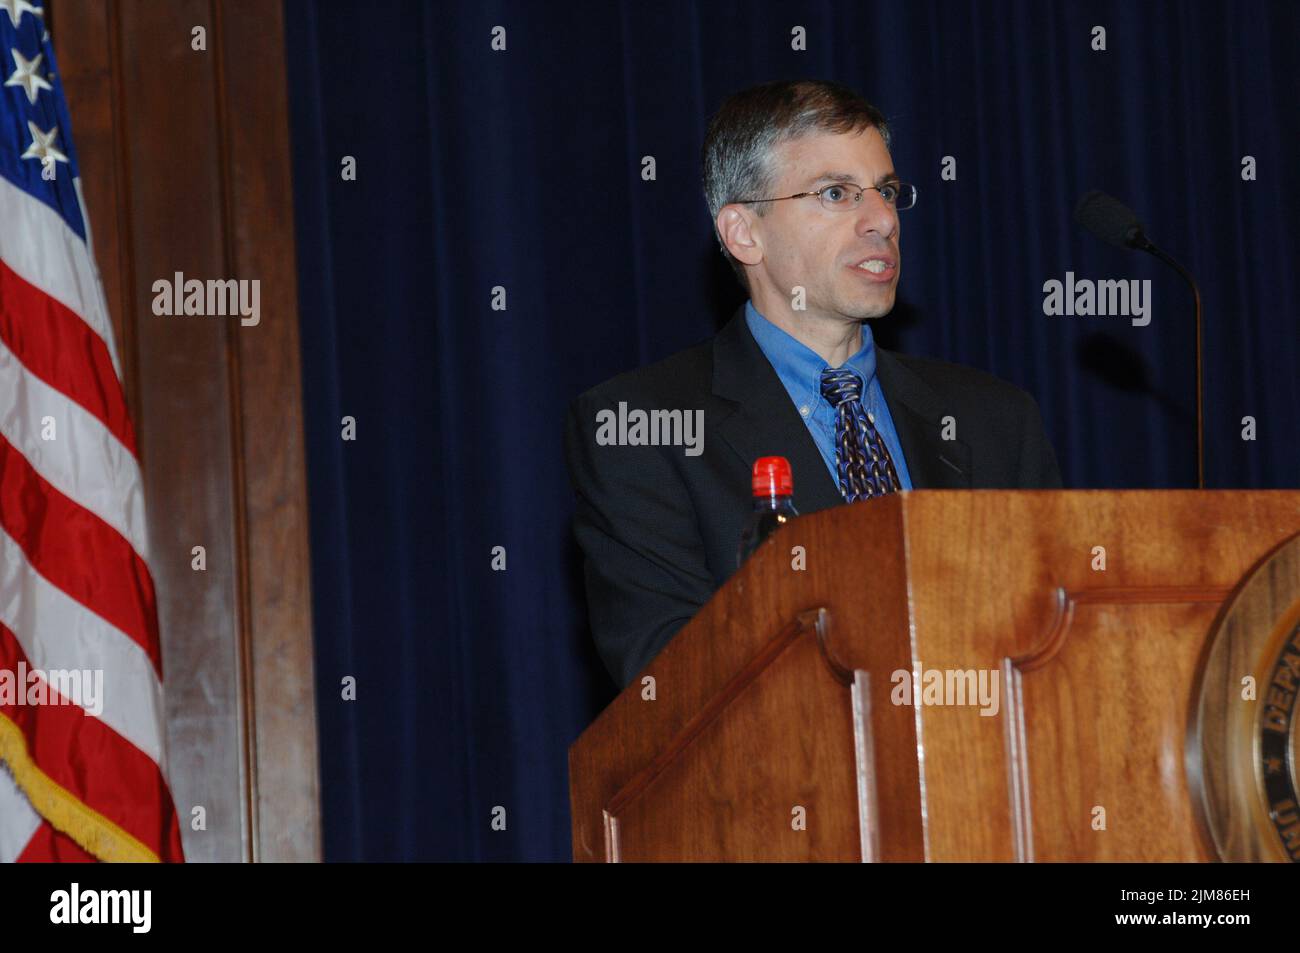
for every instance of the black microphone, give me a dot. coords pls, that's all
(1115, 223)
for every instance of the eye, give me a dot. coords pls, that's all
(889, 193)
(835, 194)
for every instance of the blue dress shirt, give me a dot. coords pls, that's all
(800, 369)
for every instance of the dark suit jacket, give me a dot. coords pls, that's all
(660, 529)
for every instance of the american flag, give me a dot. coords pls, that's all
(82, 778)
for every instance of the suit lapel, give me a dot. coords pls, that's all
(917, 411)
(765, 422)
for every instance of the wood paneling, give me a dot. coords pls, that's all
(731, 757)
(1103, 665)
(1081, 749)
(989, 590)
(185, 166)
(268, 382)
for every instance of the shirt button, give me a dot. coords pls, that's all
(804, 410)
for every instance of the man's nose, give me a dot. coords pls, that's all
(876, 215)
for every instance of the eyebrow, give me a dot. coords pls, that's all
(890, 176)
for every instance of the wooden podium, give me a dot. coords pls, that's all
(1086, 672)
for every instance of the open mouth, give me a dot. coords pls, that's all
(876, 269)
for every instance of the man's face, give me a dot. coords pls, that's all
(820, 249)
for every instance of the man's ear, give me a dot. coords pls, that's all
(743, 242)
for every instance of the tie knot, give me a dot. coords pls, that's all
(840, 385)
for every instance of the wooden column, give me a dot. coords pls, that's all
(185, 166)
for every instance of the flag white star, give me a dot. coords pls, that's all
(42, 146)
(26, 75)
(16, 9)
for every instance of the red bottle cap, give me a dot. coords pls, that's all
(772, 477)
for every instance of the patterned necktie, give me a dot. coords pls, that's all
(865, 467)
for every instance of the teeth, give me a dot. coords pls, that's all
(875, 266)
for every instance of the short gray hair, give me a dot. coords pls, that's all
(751, 123)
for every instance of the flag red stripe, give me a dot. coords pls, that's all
(51, 846)
(56, 345)
(78, 552)
(98, 766)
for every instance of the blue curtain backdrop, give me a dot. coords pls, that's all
(521, 169)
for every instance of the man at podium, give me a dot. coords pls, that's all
(807, 208)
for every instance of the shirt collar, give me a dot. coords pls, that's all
(799, 366)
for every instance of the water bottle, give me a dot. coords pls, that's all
(773, 504)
